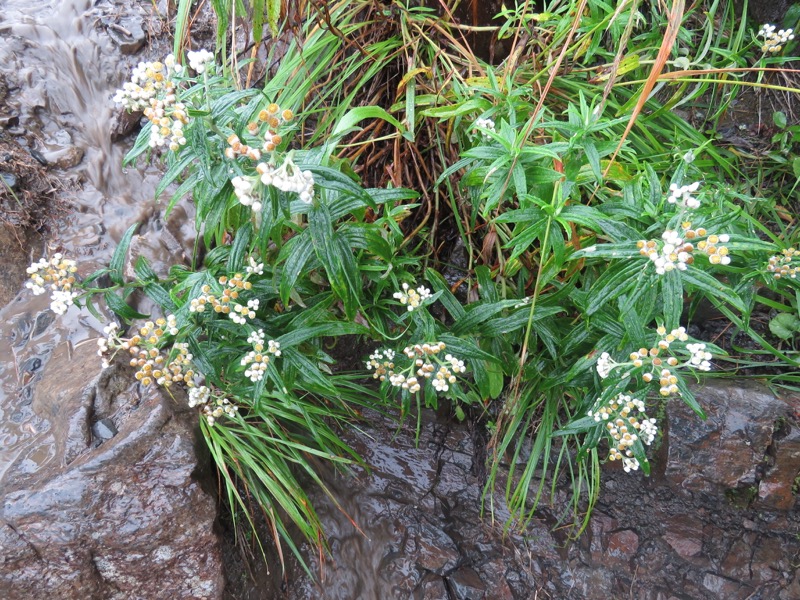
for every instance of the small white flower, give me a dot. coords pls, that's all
(200, 60)
(605, 364)
(254, 267)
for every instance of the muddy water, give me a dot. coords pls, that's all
(62, 68)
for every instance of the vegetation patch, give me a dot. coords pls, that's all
(595, 218)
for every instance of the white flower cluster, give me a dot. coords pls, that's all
(254, 267)
(258, 358)
(674, 254)
(781, 265)
(682, 195)
(626, 422)
(243, 187)
(774, 40)
(58, 274)
(214, 405)
(677, 252)
(225, 302)
(102, 343)
(237, 148)
(168, 117)
(200, 60)
(700, 356)
(198, 396)
(413, 298)
(660, 366)
(441, 375)
(288, 178)
(241, 313)
(486, 124)
(274, 117)
(153, 366)
(148, 79)
(605, 364)
(381, 362)
(152, 90)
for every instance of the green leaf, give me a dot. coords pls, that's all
(140, 146)
(160, 296)
(623, 250)
(143, 270)
(258, 20)
(447, 112)
(181, 26)
(120, 307)
(297, 251)
(478, 314)
(672, 297)
(355, 115)
(118, 258)
(336, 259)
(613, 282)
(273, 15)
(241, 245)
(448, 300)
(329, 329)
(711, 286)
(174, 171)
(784, 325)
(593, 156)
(779, 118)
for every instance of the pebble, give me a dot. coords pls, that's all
(65, 158)
(104, 429)
(9, 180)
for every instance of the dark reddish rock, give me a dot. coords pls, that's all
(685, 536)
(778, 488)
(124, 123)
(622, 545)
(727, 451)
(673, 535)
(123, 519)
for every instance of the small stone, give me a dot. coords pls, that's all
(65, 158)
(622, 545)
(124, 123)
(9, 180)
(685, 547)
(128, 34)
(104, 429)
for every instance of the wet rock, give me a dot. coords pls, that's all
(726, 451)
(668, 537)
(9, 180)
(467, 585)
(127, 33)
(104, 429)
(126, 519)
(768, 11)
(10, 122)
(778, 488)
(64, 158)
(622, 545)
(419, 510)
(123, 124)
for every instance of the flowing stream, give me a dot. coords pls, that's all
(62, 68)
